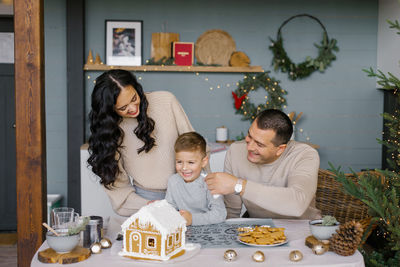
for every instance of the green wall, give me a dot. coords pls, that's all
(341, 106)
(56, 96)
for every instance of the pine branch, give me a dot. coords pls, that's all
(387, 82)
(394, 25)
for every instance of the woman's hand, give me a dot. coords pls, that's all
(187, 215)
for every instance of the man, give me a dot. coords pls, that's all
(272, 176)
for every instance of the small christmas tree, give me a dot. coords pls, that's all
(382, 192)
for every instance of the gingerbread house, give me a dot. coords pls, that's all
(156, 231)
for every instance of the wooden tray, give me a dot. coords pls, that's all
(214, 47)
(50, 256)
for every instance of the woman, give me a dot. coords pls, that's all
(132, 139)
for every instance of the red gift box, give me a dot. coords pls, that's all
(183, 53)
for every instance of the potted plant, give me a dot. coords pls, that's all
(324, 228)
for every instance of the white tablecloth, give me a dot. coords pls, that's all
(296, 232)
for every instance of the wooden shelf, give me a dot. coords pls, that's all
(153, 68)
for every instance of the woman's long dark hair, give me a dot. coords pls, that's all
(106, 135)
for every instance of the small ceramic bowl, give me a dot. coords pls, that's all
(63, 243)
(322, 232)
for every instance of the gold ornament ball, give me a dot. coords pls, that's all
(95, 248)
(230, 255)
(105, 243)
(258, 256)
(319, 249)
(295, 255)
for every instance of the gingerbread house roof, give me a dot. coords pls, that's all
(161, 215)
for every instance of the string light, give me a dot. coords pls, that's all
(214, 86)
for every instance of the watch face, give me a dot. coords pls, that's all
(238, 188)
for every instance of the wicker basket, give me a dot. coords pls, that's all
(332, 200)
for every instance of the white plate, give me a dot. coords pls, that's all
(255, 245)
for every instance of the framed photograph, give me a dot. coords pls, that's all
(124, 42)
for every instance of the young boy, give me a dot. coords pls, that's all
(186, 190)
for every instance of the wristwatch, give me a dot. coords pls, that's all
(239, 187)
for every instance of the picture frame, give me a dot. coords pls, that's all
(124, 42)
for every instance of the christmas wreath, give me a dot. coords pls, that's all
(304, 69)
(251, 82)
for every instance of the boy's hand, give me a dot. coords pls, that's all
(187, 215)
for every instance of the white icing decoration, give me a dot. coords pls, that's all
(162, 217)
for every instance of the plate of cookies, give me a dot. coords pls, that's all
(262, 236)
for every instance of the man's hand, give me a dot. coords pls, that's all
(187, 215)
(221, 183)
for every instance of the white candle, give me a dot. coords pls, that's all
(293, 137)
(222, 134)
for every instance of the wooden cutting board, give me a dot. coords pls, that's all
(214, 47)
(50, 256)
(161, 44)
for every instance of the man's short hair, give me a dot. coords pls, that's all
(273, 119)
(191, 141)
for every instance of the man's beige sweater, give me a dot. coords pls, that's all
(151, 170)
(284, 188)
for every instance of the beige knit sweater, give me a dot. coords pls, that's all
(150, 170)
(284, 188)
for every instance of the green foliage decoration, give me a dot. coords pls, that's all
(304, 69)
(79, 227)
(253, 81)
(163, 61)
(382, 193)
(328, 220)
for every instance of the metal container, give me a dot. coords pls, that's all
(93, 231)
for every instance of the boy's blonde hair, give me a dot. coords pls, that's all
(191, 141)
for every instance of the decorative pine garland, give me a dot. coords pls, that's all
(304, 69)
(251, 82)
(164, 61)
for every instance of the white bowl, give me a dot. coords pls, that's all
(322, 232)
(63, 243)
